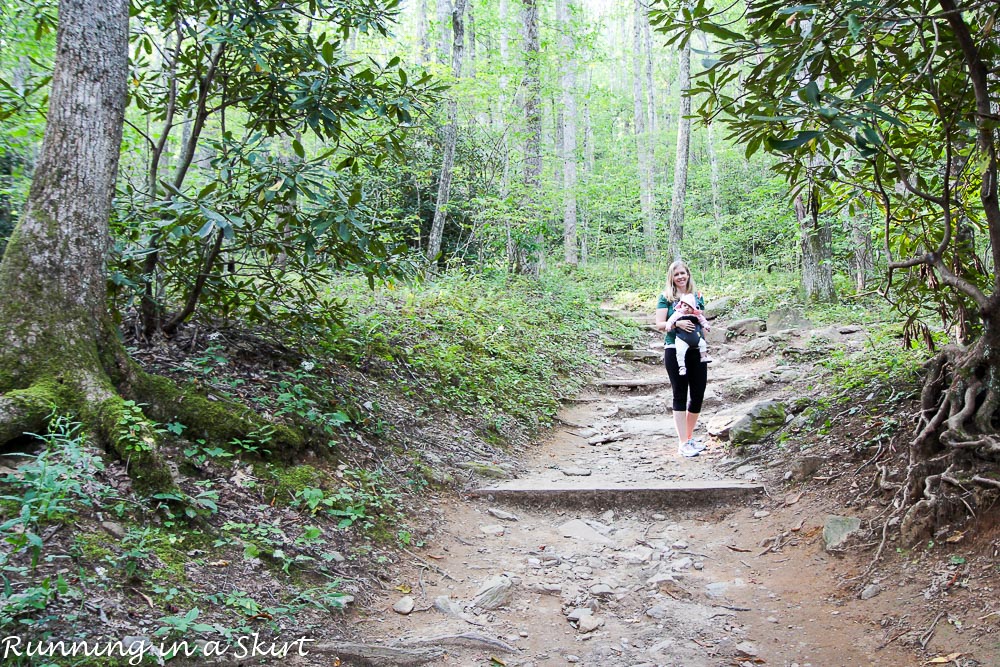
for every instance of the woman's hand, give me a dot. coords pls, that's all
(684, 325)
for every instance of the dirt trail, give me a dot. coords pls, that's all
(636, 583)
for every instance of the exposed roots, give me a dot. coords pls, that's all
(118, 404)
(955, 445)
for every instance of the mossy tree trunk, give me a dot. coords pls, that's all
(61, 350)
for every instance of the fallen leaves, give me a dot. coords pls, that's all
(944, 659)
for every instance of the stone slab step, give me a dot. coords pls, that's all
(697, 493)
(655, 382)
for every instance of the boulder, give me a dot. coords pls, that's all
(742, 386)
(758, 347)
(787, 317)
(763, 419)
(837, 529)
(747, 327)
(719, 307)
(495, 592)
(805, 467)
(484, 469)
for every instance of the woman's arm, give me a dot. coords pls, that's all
(661, 319)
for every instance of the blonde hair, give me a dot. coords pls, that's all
(670, 291)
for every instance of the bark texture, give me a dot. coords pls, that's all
(683, 153)
(643, 143)
(450, 138)
(570, 253)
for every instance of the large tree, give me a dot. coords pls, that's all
(892, 102)
(61, 350)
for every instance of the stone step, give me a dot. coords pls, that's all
(635, 384)
(645, 356)
(680, 495)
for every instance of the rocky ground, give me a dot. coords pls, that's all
(610, 549)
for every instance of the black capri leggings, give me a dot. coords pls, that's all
(695, 380)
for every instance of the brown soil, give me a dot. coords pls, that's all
(753, 584)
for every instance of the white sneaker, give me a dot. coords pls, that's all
(688, 449)
(698, 443)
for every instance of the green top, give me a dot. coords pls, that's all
(670, 337)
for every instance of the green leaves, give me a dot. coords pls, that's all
(789, 145)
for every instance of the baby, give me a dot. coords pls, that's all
(687, 309)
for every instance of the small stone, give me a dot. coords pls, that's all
(659, 517)
(699, 565)
(579, 613)
(682, 564)
(576, 472)
(500, 514)
(760, 514)
(522, 634)
(679, 545)
(589, 624)
(602, 590)
(771, 619)
(572, 658)
(113, 529)
(493, 529)
(870, 591)
(404, 606)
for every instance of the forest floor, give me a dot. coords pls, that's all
(737, 573)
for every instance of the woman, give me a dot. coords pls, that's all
(689, 389)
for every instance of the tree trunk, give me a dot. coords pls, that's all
(61, 351)
(533, 131)
(569, 135)
(588, 171)
(817, 255)
(683, 151)
(423, 33)
(642, 140)
(450, 138)
(444, 19)
(647, 42)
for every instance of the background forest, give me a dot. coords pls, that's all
(310, 145)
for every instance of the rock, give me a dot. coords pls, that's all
(446, 605)
(849, 329)
(760, 514)
(870, 591)
(495, 592)
(500, 514)
(806, 466)
(752, 325)
(493, 529)
(719, 307)
(578, 530)
(746, 649)
(682, 564)
(589, 624)
(787, 317)
(639, 555)
(837, 529)
(484, 469)
(547, 589)
(742, 386)
(602, 590)
(608, 516)
(578, 613)
(679, 545)
(404, 605)
(763, 419)
(758, 347)
(576, 472)
(113, 529)
(570, 658)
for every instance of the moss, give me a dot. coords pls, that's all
(214, 421)
(135, 443)
(93, 547)
(283, 483)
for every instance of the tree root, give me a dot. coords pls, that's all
(25, 411)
